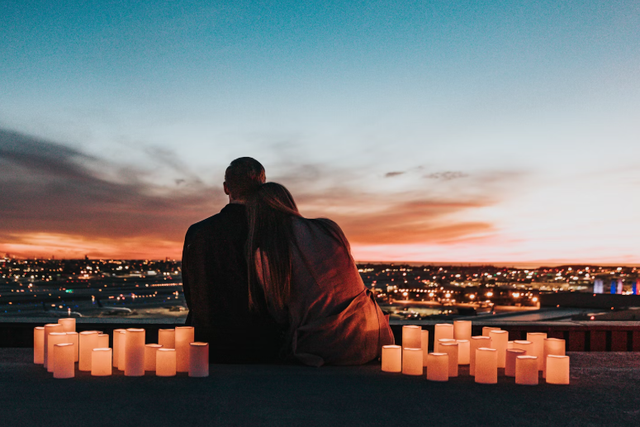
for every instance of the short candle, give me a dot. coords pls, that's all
(184, 337)
(451, 348)
(553, 346)
(527, 370)
(510, 366)
(56, 338)
(391, 358)
(411, 336)
(524, 345)
(150, 356)
(557, 369)
(63, 365)
(438, 367)
(436, 345)
(476, 343)
(412, 361)
(101, 365)
(199, 359)
(166, 362)
(38, 345)
(462, 329)
(486, 366)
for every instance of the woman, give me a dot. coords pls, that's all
(302, 271)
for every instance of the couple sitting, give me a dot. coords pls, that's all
(264, 284)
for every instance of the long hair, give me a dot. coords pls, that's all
(270, 210)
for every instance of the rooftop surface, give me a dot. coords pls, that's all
(604, 391)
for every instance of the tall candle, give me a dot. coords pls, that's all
(557, 369)
(54, 338)
(527, 370)
(464, 348)
(487, 329)
(48, 328)
(87, 341)
(553, 346)
(476, 343)
(499, 341)
(391, 358)
(68, 324)
(103, 341)
(167, 338)
(425, 347)
(438, 367)
(116, 346)
(134, 353)
(38, 345)
(436, 346)
(122, 346)
(537, 339)
(442, 330)
(184, 337)
(166, 362)
(72, 337)
(101, 364)
(411, 336)
(451, 348)
(510, 366)
(199, 359)
(462, 329)
(412, 361)
(150, 356)
(486, 365)
(63, 364)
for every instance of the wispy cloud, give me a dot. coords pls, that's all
(446, 175)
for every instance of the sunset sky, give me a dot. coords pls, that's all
(431, 131)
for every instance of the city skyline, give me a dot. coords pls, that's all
(434, 132)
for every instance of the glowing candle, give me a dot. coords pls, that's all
(524, 345)
(438, 367)
(38, 345)
(103, 341)
(464, 348)
(487, 329)
(499, 341)
(425, 347)
(48, 328)
(68, 324)
(476, 343)
(87, 341)
(150, 356)
(391, 358)
(462, 329)
(122, 346)
(442, 330)
(134, 353)
(72, 337)
(510, 365)
(553, 346)
(54, 338)
(199, 359)
(166, 362)
(451, 348)
(167, 338)
(63, 365)
(412, 361)
(509, 344)
(557, 369)
(101, 364)
(527, 370)
(537, 339)
(436, 346)
(184, 337)
(411, 336)
(486, 365)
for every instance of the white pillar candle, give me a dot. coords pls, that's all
(438, 367)
(116, 346)
(103, 340)
(38, 345)
(412, 361)
(462, 329)
(524, 345)
(199, 359)
(537, 339)
(553, 346)
(87, 341)
(499, 341)
(54, 338)
(442, 330)
(150, 356)
(166, 362)
(72, 337)
(101, 364)
(411, 336)
(451, 348)
(487, 329)
(557, 369)
(476, 343)
(391, 358)
(134, 353)
(527, 370)
(63, 364)
(167, 338)
(464, 348)
(436, 345)
(48, 328)
(486, 365)
(68, 324)
(184, 337)
(510, 363)
(425, 346)
(122, 346)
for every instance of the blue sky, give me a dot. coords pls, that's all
(434, 130)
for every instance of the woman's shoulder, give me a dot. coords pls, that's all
(324, 226)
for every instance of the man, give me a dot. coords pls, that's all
(214, 277)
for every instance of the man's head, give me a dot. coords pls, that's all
(243, 176)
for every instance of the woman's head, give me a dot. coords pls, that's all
(272, 195)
